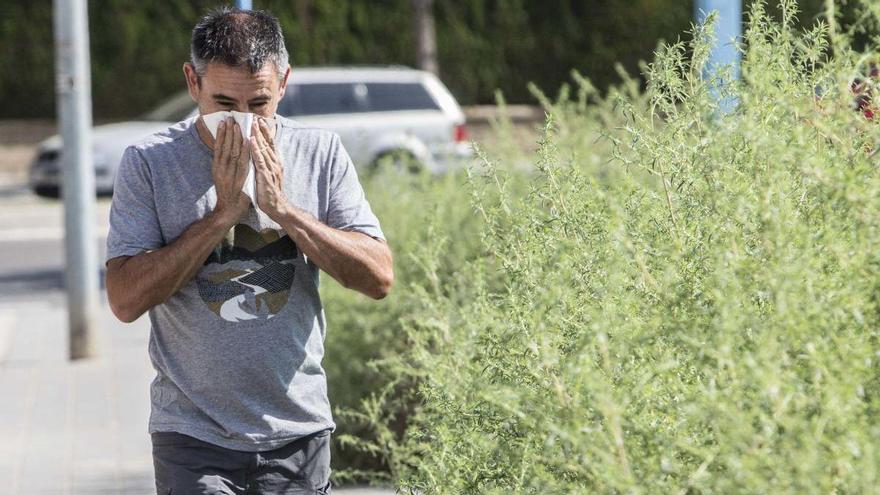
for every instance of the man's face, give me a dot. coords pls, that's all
(226, 88)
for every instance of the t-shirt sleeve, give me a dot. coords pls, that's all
(348, 208)
(134, 224)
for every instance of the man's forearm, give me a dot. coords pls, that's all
(355, 260)
(140, 282)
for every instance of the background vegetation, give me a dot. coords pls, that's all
(669, 300)
(138, 47)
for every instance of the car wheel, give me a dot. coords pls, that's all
(398, 160)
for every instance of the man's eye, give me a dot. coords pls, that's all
(261, 104)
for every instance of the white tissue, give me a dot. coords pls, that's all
(245, 121)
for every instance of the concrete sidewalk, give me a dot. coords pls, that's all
(76, 428)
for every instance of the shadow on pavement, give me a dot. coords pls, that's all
(33, 281)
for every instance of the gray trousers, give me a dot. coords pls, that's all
(186, 465)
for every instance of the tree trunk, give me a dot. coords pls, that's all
(426, 36)
(304, 13)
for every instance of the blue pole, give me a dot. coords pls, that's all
(244, 4)
(728, 30)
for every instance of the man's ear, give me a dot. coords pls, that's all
(192, 81)
(284, 83)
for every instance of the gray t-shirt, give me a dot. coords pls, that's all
(238, 349)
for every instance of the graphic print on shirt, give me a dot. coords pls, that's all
(249, 274)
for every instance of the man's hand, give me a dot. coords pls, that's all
(229, 170)
(269, 171)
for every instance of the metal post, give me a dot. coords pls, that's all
(244, 4)
(728, 30)
(73, 92)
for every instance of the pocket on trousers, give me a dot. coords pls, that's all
(305, 461)
(320, 475)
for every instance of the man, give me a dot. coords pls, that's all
(239, 403)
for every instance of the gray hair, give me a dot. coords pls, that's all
(238, 38)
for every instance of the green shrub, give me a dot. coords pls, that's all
(688, 304)
(362, 331)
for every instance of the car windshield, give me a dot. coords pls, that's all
(174, 109)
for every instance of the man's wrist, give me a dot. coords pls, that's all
(223, 218)
(290, 218)
(286, 213)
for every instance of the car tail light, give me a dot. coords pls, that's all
(460, 133)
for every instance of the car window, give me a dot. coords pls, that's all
(384, 97)
(333, 98)
(322, 98)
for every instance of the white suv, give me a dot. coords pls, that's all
(402, 114)
(378, 112)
